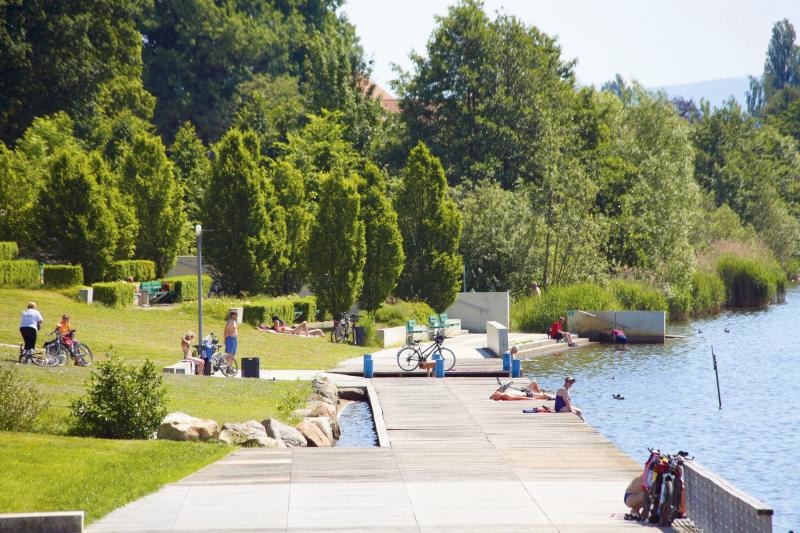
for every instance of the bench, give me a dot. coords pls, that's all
(412, 328)
(181, 367)
(159, 291)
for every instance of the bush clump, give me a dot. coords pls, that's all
(637, 296)
(396, 314)
(138, 269)
(708, 293)
(62, 276)
(260, 311)
(8, 251)
(749, 283)
(114, 293)
(20, 401)
(122, 402)
(534, 314)
(185, 287)
(21, 273)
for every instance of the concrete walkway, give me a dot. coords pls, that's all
(457, 462)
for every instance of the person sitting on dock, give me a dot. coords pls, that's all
(557, 332)
(563, 400)
(634, 495)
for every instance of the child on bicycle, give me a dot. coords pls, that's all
(186, 346)
(66, 333)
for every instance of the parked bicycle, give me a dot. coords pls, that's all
(345, 328)
(37, 358)
(65, 346)
(663, 486)
(410, 356)
(216, 359)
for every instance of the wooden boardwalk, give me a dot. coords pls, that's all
(457, 462)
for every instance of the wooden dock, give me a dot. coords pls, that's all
(457, 462)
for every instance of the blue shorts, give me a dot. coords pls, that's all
(231, 343)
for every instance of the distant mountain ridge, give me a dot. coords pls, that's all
(716, 92)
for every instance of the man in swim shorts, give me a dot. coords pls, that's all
(231, 335)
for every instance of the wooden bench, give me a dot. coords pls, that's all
(181, 367)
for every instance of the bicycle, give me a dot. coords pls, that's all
(216, 360)
(67, 345)
(662, 498)
(409, 357)
(344, 328)
(38, 359)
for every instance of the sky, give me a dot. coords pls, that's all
(657, 42)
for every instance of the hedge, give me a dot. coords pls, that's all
(59, 276)
(262, 310)
(396, 314)
(8, 251)
(114, 293)
(185, 287)
(21, 273)
(534, 314)
(138, 269)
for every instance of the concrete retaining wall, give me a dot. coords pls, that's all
(57, 522)
(713, 504)
(639, 326)
(388, 337)
(476, 308)
(496, 338)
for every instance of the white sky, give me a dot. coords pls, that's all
(658, 42)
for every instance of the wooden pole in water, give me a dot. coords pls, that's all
(716, 372)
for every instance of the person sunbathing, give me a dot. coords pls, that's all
(531, 392)
(301, 329)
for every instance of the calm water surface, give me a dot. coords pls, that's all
(671, 398)
(358, 429)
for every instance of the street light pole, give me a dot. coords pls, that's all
(198, 230)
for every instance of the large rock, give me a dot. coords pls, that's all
(322, 409)
(250, 434)
(326, 389)
(180, 426)
(314, 434)
(286, 434)
(324, 423)
(354, 394)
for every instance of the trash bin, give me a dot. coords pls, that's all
(358, 335)
(251, 367)
(208, 351)
(144, 298)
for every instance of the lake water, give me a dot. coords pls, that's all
(357, 426)
(671, 398)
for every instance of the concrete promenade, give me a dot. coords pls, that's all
(457, 462)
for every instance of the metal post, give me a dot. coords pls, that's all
(714, 358)
(198, 230)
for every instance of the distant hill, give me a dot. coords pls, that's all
(714, 91)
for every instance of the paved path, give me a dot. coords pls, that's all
(457, 462)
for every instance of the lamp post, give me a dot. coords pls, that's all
(198, 231)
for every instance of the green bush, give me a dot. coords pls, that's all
(307, 307)
(637, 296)
(260, 311)
(20, 273)
(8, 251)
(185, 287)
(680, 304)
(749, 283)
(114, 293)
(366, 321)
(138, 269)
(122, 402)
(708, 293)
(398, 313)
(535, 314)
(20, 401)
(60, 276)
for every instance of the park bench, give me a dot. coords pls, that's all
(412, 328)
(159, 291)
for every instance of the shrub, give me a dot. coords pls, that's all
(708, 293)
(307, 307)
(749, 283)
(637, 296)
(260, 311)
(60, 276)
(367, 321)
(138, 269)
(680, 304)
(122, 402)
(185, 287)
(21, 273)
(535, 314)
(114, 293)
(8, 251)
(398, 313)
(20, 401)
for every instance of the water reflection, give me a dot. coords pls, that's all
(671, 398)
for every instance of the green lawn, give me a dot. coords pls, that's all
(51, 473)
(154, 333)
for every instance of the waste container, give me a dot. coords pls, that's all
(251, 367)
(144, 298)
(208, 351)
(358, 335)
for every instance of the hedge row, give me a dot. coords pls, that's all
(185, 287)
(535, 314)
(397, 313)
(21, 273)
(58, 276)
(114, 293)
(8, 251)
(261, 311)
(138, 269)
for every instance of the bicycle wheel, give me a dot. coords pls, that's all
(85, 354)
(44, 359)
(230, 369)
(666, 513)
(57, 350)
(647, 503)
(408, 359)
(215, 362)
(449, 358)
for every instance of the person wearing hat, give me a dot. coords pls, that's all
(563, 400)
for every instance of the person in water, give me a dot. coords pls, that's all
(563, 400)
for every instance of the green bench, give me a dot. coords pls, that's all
(156, 291)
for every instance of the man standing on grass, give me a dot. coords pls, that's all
(231, 335)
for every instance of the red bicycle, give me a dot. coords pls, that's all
(663, 487)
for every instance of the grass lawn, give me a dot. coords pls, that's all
(52, 473)
(154, 333)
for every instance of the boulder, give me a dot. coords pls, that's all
(320, 398)
(325, 388)
(321, 409)
(314, 434)
(180, 426)
(324, 423)
(354, 394)
(286, 434)
(250, 434)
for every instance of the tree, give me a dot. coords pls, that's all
(120, 206)
(245, 233)
(337, 249)
(431, 227)
(192, 169)
(384, 260)
(782, 66)
(149, 181)
(19, 189)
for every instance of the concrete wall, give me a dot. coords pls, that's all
(389, 337)
(639, 326)
(496, 338)
(56, 522)
(476, 308)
